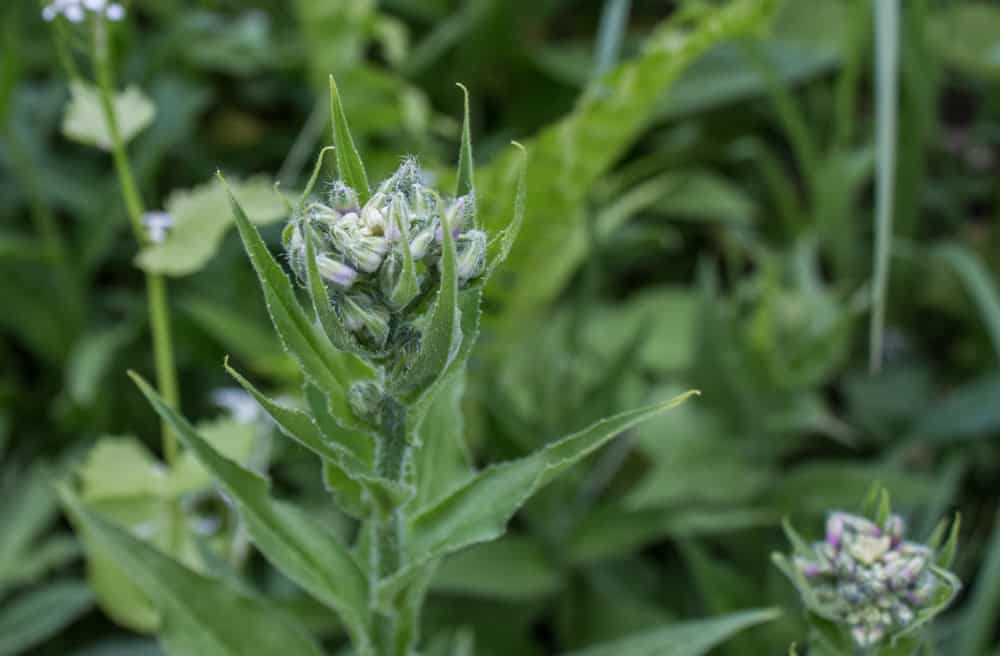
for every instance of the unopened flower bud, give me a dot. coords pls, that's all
(365, 398)
(421, 243)
(471, 254)
(335, 271)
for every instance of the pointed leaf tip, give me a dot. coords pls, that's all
(350, 167)
(466, 183)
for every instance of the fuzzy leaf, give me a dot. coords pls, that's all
(349, 165)
(311, 556)
(684, 638)
(478, 510)
(85, 122)
(500, 246)
(201, 615)
(442, 335)
(325, 314)
(331, 370)
(466, 169)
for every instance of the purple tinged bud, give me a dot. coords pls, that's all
(336, 272)
(835, 530)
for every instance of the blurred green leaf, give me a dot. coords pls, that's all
(526, 573)
(201, 217)
(201, 615)
(569, 156)
(84, 120)
(968, 412)
(684, 638)
(304, 550)
(478, 510)
(35, 615)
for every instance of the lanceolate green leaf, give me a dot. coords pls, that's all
(466, 171)
(349, 164)
(684, 638)
(308, 554)
(480, 509)
(569, 156)
(331, 370)
(201, 615)
(304, 429)
(320, 297)
(499, 247)
(443, 334)
(40, 613)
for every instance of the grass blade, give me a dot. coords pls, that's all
(887, 101)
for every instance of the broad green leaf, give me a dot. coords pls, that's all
(568, 157)
(683, 639)
(201, 217)
(350, 167)
(39, 613)
(442, 335)
(201, 615)
(326, 316)
(85, 122)
(967, 413)
(309, 554)
(331, 370)
(478, 510)
(466, 183)
(442, 459)
(121, 467)
(526, 574)
(90, 360)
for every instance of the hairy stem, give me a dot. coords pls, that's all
(388, 536)
(156, 287)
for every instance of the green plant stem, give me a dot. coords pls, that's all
(156, 287)
(391, 635)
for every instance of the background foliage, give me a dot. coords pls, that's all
(700, 214)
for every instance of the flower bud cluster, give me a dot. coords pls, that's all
(869, 577)
(361, 250)
(76, 11)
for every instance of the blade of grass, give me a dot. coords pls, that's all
(980, 285)
(887, 100)
(610, 34)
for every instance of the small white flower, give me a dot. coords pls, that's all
(157, 224)
(74, 13)
(115, 12)
(240, 405)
